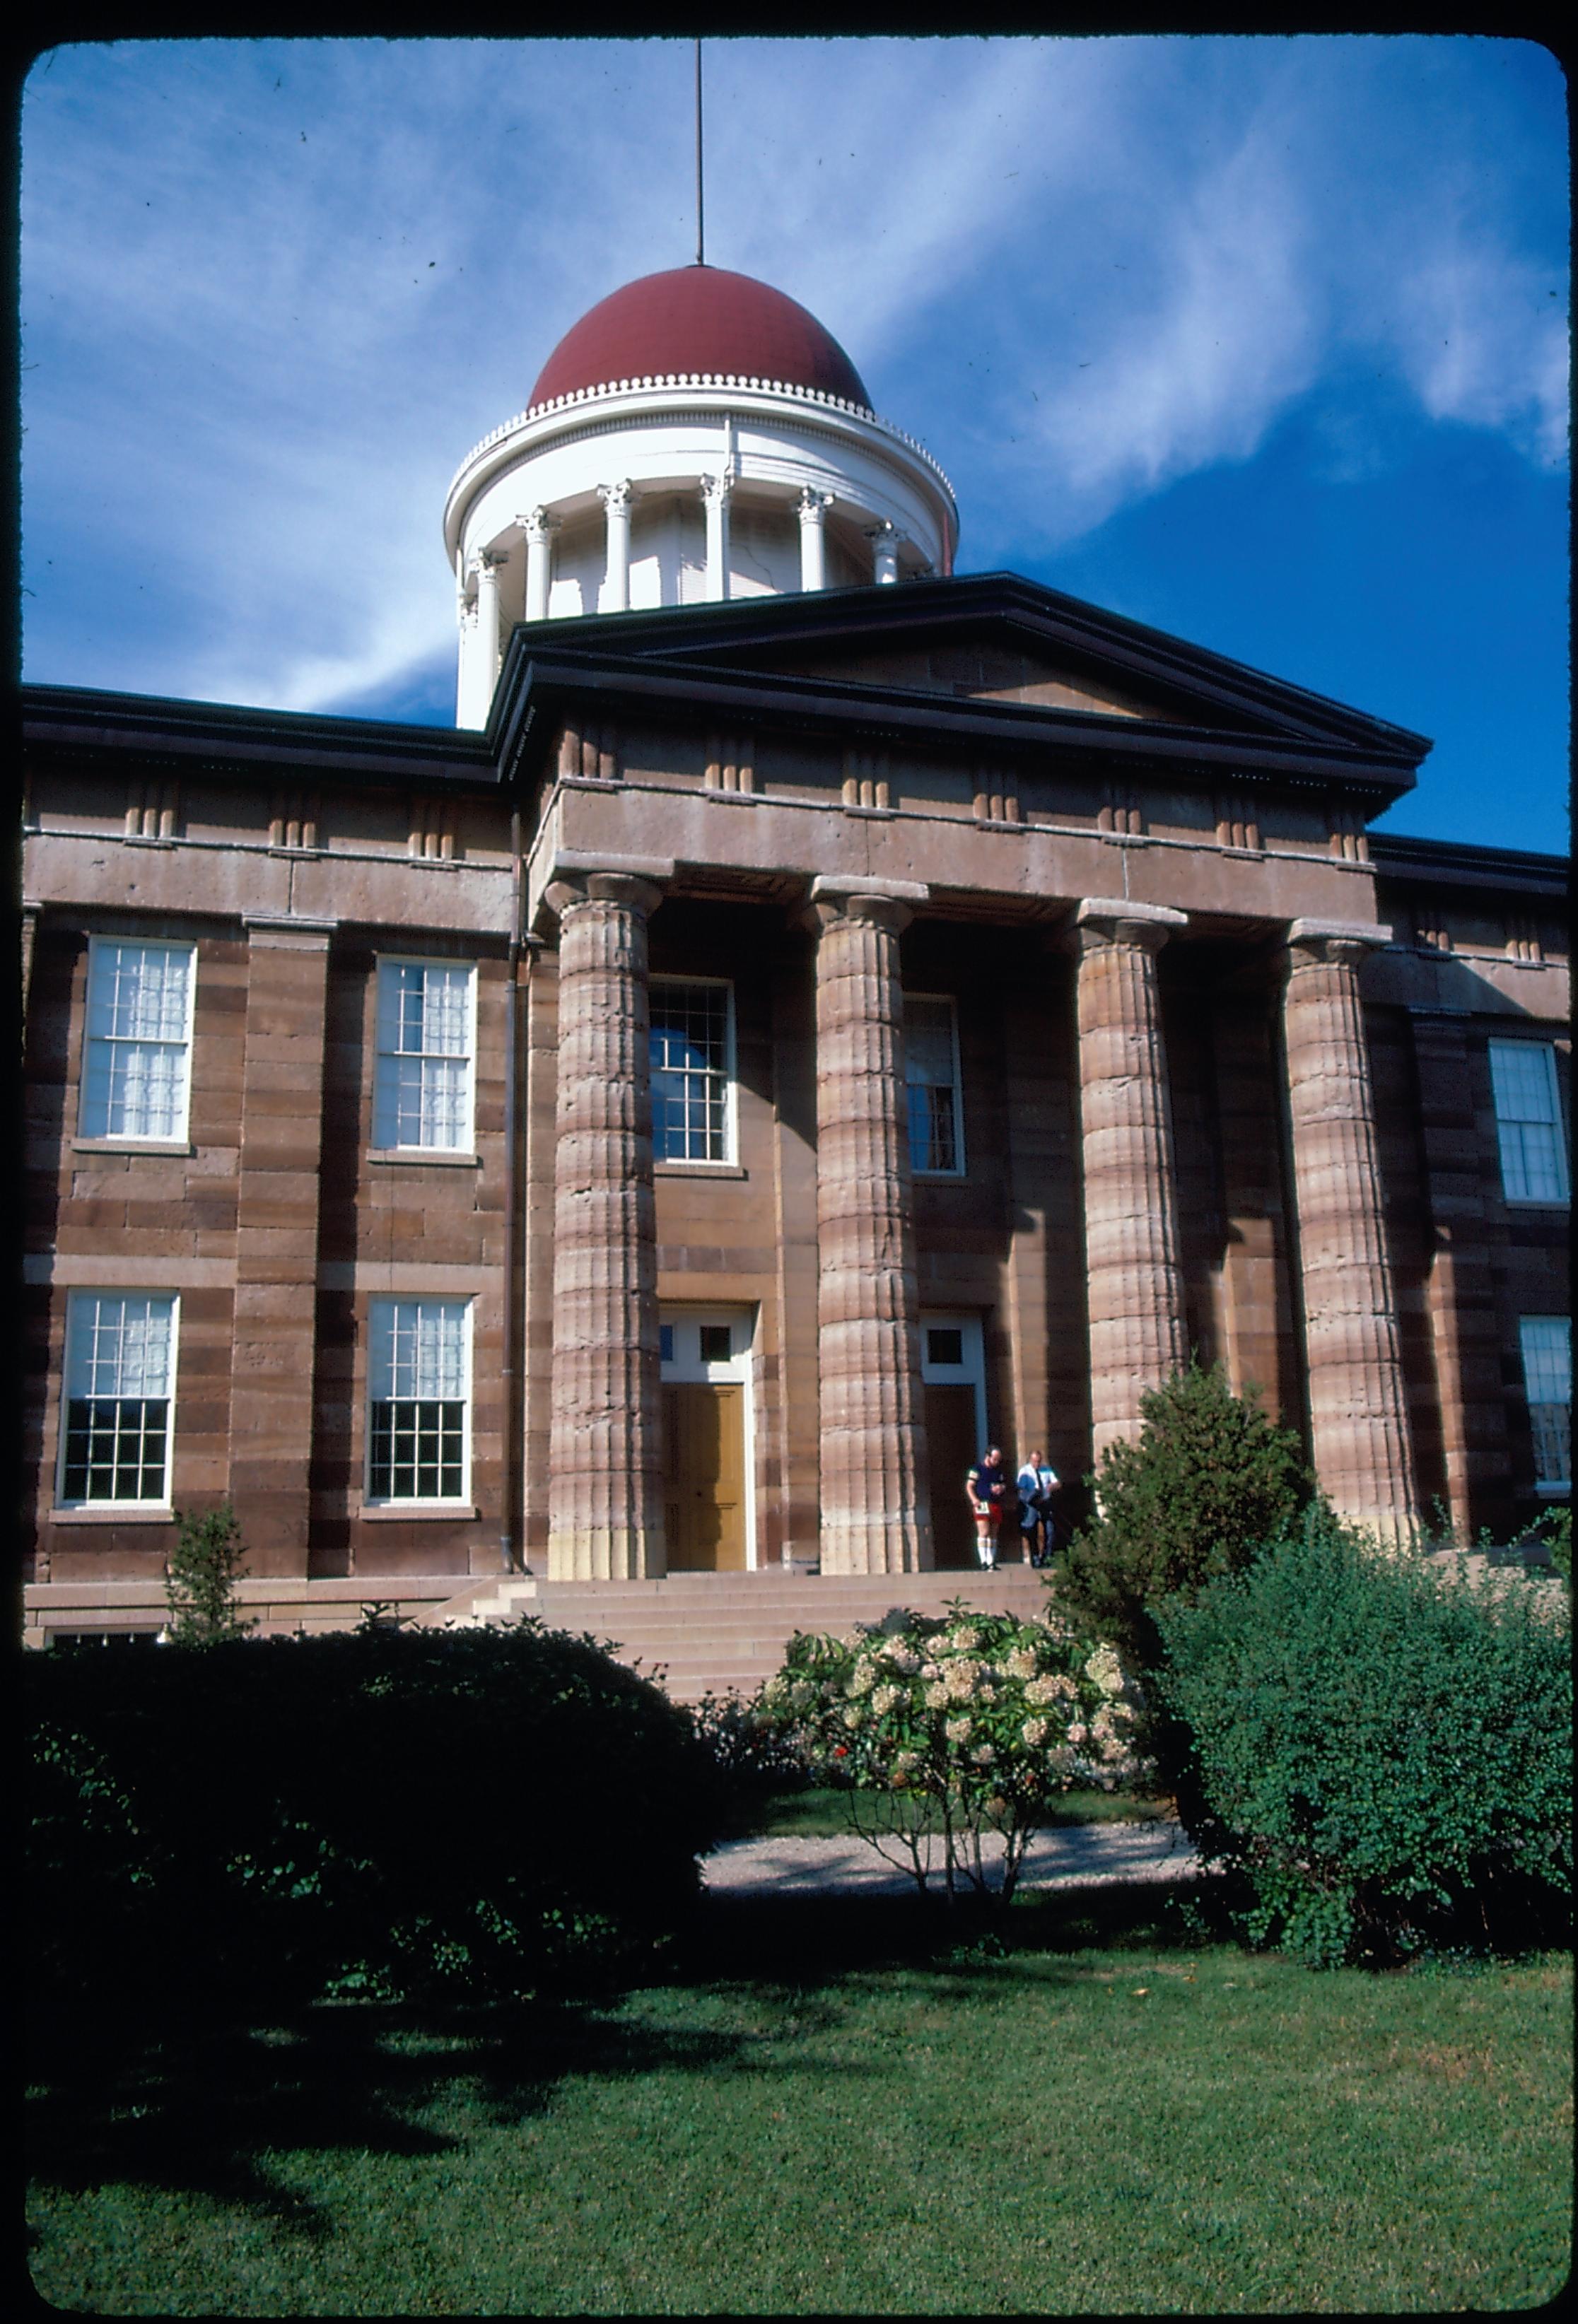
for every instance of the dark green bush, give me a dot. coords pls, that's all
(1209, 1480)
(382, 1812)
(1380, 1746)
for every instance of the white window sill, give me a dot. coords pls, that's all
(382, 1512)
(699, 1170)
(114, 1513)
(941, 1177)
(132, 1146)
(1538, 1202)
(447, 1157)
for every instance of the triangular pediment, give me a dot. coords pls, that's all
(992, 637)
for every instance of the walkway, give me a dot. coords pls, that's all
(1082, 1857)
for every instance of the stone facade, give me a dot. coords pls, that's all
(1207, 1069)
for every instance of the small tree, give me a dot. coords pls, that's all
(200, 1577)
(1209, 1483)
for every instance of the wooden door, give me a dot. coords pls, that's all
(950, 1437)
(704, 1495)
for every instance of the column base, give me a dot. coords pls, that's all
(1395, 1536)
(896, 1547)
(607, 1554)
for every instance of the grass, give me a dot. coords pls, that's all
(822, 1814)
(837, 2107)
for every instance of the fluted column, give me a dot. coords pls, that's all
(876, 1501)
(1358, 1409)
(605, 1503)
(1135, 1287)
(715, 491)
(884, 540)
(812, 510)
(539, 527)
(615, 500)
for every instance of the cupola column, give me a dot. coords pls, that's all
(1134, 1281)
(1358, 1405)
(488, 625)
(884, 540)
(875, 1493)
(615, 500)
(605, 1486)
(539, 527)
(715, 491)
(812, 509)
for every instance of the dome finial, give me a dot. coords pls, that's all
(700, 211)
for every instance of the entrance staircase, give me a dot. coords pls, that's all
(713, 1633)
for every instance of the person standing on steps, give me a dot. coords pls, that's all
(1037, 1480)
(987, 1488)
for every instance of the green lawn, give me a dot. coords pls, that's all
(837, 2107)
(818, 1814)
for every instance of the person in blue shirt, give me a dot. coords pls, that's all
(1037, 1480)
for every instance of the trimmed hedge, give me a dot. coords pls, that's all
(377, 1811)
(1382, 1748)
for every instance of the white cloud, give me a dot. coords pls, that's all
(274, 291)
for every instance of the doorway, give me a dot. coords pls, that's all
(705, 1391)
(953, 1376)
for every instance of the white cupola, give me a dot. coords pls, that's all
(696, 436)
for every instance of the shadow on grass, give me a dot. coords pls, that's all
(206, 2104)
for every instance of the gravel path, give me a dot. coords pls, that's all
(1079, 1858)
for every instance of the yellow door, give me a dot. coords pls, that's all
(953, 1452)
(703, 1431)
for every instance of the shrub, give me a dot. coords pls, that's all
(1210, 1480)
(1556, 1530)
(381, 1811)
(200, 1577)
(970, 1722)
(1382, 1745)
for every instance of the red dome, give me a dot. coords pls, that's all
(699, 318)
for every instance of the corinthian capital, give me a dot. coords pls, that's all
(812, 505)
(538, 525)
(715, 490)
(615, 498)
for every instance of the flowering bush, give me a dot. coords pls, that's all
(954, 1727)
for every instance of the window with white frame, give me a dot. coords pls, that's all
(419, 1395)
(693, 1070)
(1548, 1379)
(422, 1089)
(1528, 1121)
(931, 1075)
(120, 1387)
(137, 1077)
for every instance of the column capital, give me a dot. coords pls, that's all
(488, 560)
(715, 490)
(638, 882)
(538, 525)
(1337, 944)
(889, 904)
(616, 498)
(812, 506)
(1115, 920)
(884, 531)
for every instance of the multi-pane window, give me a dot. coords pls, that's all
(1528, 1121)
(692, 1074)
(422, 1092)
(1548, 1379)
(419, 1391)
(120, 1379)
(931, 1075)
(137, 1061)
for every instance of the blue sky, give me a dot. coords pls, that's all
(1262, 341)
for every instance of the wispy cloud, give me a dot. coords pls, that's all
(274, 291)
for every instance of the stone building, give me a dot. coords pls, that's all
(817, 1016)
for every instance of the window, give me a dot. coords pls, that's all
(1528, 1121)
(120, 1374)
(692, 1054)
(1547, 1379)
(944, 1347)
(422, 1096)
(716, 1343)
(137, 1065)
(931, 1072)
(418, 1390)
